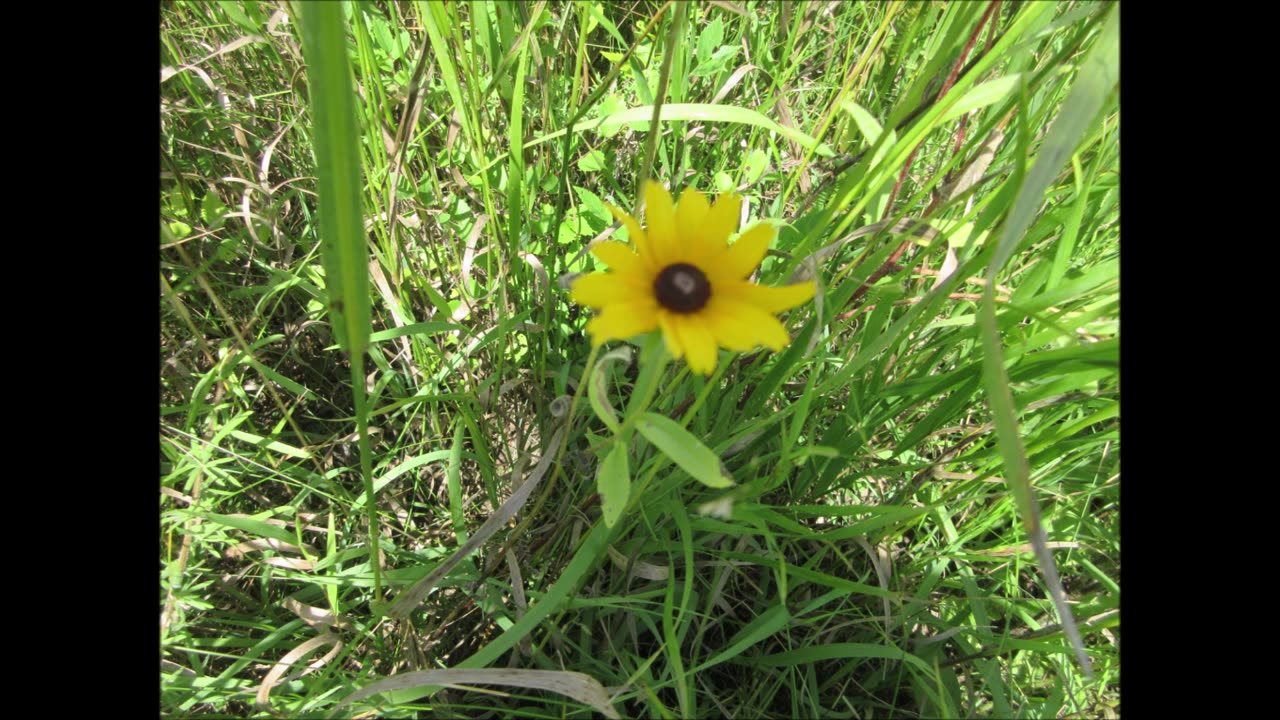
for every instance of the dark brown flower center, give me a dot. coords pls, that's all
(682, 288)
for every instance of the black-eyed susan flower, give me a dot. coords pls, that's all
(685, 278)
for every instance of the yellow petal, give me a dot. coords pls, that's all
(617, 256)
(773, 299)
(742, 327)
(691, 215)
(666, 321)
(722, 220)
(660, 219)
(699, 344)
(600, 289)
(745, 254)
(637, 237)
(706, 241)
(620, 321)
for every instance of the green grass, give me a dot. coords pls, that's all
(925, 479)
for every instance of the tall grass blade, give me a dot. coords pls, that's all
(336, 141)
(1098, 77)
(344, 252)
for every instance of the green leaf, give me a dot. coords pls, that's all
(684, 449)
(834, 651)
(179, 229)
(233, 11)
(593, 161)
(717, 62)
(269, 444)
(613, 481)
(754, 166)
(423, 328)
(870, 129)
(765, 624)
(723, 181)
(867, 124)
(711, 37)
(608, 106)
(573, 227)
(253, 526)
(213, 211)
(594, 206)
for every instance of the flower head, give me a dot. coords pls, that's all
(684, 277)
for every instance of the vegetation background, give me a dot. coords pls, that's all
(947, 172)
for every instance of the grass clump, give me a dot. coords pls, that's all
(887, 516)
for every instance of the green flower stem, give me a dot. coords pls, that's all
(711, 383)
(653, 361)
(366, 472)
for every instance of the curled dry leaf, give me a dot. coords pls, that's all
(272, 679)
(639, 568)
(581, 687)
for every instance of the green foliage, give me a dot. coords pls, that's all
(683, 448)
(942, 431)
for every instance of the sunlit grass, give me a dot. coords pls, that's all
(871, 556)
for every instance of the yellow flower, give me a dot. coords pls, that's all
(684, 277)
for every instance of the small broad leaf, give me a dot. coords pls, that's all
(711, 37)
(179, 228)
(754, 166)
(613, 482)
(718, 61)
(684, 449)
(609, 105)
(866, 122)
(213, 211)
(593, 161)
(594, 207)
(572, 228)
(723, 181)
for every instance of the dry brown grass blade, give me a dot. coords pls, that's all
(263, 698)
(581, 687)
(409, 599)
(949, 265)
(638, 568)
(883, 564)
(260, 544)
(318, 619)
(797, 151)
(168, 72)
(732, 82)
(976, 168)
(393, 306)
(540, 272)
(470, 252)
(521, 604)
(807, 267)
(168, 666)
